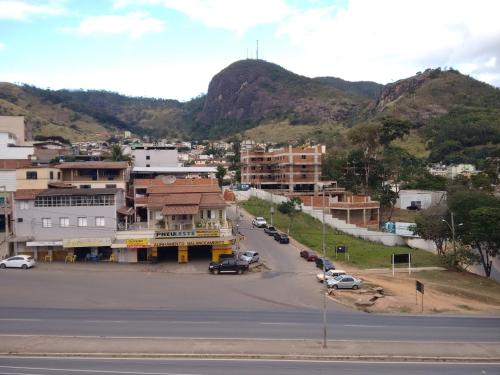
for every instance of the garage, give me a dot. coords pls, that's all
(167, 254)
(198, 252)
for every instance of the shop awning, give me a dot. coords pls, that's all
(127, 211)
(44, 243)
(86, 242)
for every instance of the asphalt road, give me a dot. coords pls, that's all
(49, 366)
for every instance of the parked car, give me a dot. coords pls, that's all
(328, 265)
(270, 230)
(250, 256)
(281, 237)
(344, 282)
(18, 261)
(228, 266)
(259, 222)
(330, 274)
(308, 255)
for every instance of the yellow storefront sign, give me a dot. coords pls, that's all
(207, 232)
(86, 242)
(137, 242)
(190, 242)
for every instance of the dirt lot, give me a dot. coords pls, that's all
(445, 292)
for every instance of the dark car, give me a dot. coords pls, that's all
(308, 255)
(228, 266)
(281, 237)
(270, 230)
(328, 265)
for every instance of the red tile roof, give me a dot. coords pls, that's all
(180, 210)
(212, 200)
(27, 194)
(14, 163)
(94, 165)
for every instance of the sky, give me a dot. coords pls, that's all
(172, 48)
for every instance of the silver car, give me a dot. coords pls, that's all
(344, 282)
(250, 256)
(18, 261)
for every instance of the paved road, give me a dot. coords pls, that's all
(77, 366)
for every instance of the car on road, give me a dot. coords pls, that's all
(250, 256)
(281, 237)
(259, 222)
(344, 282)
(18, 261)
(228, 266)
(330, 274)
(308, 255)
(270, 230)
(328, 265)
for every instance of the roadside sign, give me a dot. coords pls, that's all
(341, 249)
(419, 286)
(401, 258)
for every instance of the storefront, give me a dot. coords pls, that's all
(93, 249)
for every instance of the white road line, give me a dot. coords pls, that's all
(92, 371)
(280, 324)
(20, 320)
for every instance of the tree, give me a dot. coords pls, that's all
(290, 208)
(221, 172)
(117, 153)
(485, 235)
(392, 129)
(430, 226)
(387, 198)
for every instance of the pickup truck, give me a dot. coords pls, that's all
(228, 266)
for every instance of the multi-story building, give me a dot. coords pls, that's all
(96, 174)
(288, 168)
(154, 155)
(181, 220)
(62, 222)
(37, 177)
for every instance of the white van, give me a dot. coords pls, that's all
(330, 274)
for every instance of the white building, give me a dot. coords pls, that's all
(422, 199)
(461, 169)
(154, 156)
(10, 149)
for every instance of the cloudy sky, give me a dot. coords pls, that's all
(172, 48)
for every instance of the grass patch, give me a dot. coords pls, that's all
(364, 254)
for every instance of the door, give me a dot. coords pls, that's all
(15, 262)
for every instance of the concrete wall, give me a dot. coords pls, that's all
(8, 180)
(427, 198)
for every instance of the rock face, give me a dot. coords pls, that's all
(252, 91)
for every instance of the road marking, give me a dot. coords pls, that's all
(243, 339)
(281, 324)
(91, 371)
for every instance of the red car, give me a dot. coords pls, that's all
(308, 255)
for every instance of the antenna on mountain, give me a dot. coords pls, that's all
(247, 53)
(257, 52)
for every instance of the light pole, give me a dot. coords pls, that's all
(452, 228)
(324, 272)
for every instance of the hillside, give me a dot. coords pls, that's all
(251, 92)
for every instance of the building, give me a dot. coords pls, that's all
(181, 220)
(37, 177)
(15, 126)
(66, 222)
(173, 172)
(419, 199)
(288, 168)
(466, 170)
(10, 148)
(154, 156)
(96, 174)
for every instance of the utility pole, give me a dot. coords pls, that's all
(453, 235)
(324, 273)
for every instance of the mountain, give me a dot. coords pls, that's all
(368, 89)
(250, 92)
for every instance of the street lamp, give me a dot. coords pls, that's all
(452, 228)
(324, 271)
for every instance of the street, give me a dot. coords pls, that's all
(49, 366)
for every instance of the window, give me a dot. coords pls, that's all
(58, 175)
(19, 219)
(201, 214)
(51, 175)
(303, 156)
(23, 205)
(110, 186)
(46, 222)
(148, 157)
(147, 165)
(64, 222)
(99, 221)
(84, 186)
(31, 175)
(209, 214)
(82, 222)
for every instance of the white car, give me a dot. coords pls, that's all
(18, 261)
(259, 222)
(329, 274)
(344, 282)
(250, 256)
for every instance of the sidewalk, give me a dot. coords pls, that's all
(248, 348)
